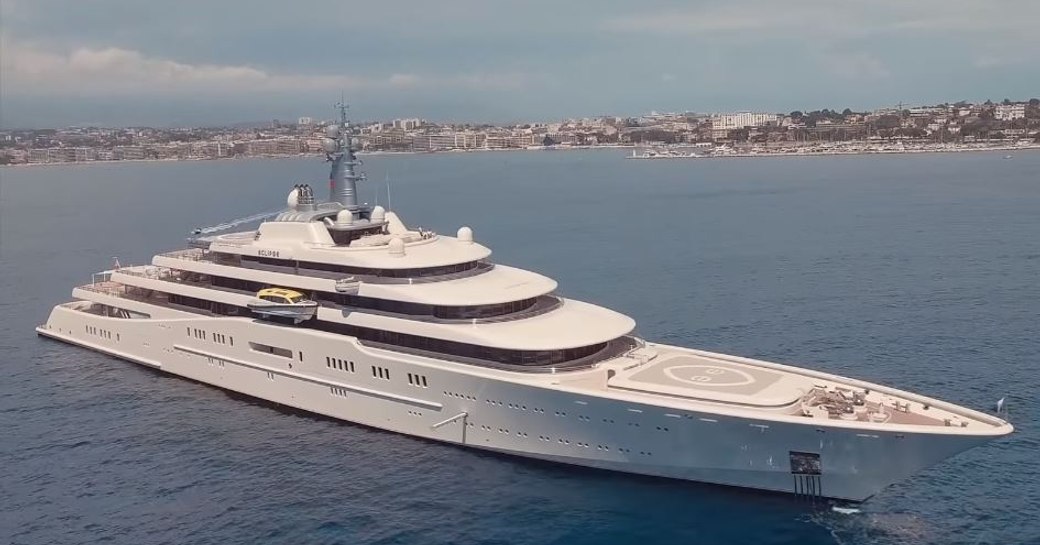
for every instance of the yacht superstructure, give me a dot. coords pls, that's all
(420, 333)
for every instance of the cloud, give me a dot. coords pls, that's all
(160, 62)
(118, 71)
(690, 21)
(856, 66)
(751, 19)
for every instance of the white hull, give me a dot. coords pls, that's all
(570, 418)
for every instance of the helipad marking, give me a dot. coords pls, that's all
(710, 375)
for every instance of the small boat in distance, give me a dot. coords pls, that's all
(667, 154)
(283, 303)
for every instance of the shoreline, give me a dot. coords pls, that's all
(834, 152)
(753, 153)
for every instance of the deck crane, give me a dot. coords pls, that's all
(196, 233)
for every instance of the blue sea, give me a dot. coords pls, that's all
(918, 271)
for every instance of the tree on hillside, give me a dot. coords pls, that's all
(888, 121)
(739, 135)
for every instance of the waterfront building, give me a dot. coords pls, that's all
(511, 141)
(128, 153)
(61, 155)
(741, 120)
(37, 155)
(273, 146)
(407, 124)
(1010, 112)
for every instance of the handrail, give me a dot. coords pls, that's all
(197, 254)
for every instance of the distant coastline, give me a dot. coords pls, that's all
(844, 148)
(956, 127)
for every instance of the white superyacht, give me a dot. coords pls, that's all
(339, 308)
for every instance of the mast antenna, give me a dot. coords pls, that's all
(340, 151)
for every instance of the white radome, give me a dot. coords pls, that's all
(378, 214)
(396, 247)
(344, 218)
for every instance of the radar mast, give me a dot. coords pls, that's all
(340, 151)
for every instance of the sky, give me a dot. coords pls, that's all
(209, 62)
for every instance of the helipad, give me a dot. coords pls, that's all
(693, 376)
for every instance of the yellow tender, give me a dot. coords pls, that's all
(280, 295)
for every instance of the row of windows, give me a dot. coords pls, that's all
(560, 440)
(217, 337)
(380, 372)
(527, 358)
(421, 309)
(517, 406)
(417, 380)
(399, 307)
(342, 365)
(421, 272)
(563, 414)
(103, 333)
(209, 306)
(522, 358)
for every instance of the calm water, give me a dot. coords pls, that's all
(916, 271)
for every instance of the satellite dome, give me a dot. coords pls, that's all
(344, 217)
(465, 234)
(329, 145)
(378, 214)
(293, 199)
(396, 247)
(332, 131)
